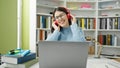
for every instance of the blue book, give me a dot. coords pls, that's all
(18, 60)
(43, 22)
(20, 53)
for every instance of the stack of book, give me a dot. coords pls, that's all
(19, 59)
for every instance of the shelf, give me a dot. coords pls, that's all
(107, 1)
(108, 9)
(112, 57)
(89, 29)
(85, 16)
(107, 16)
(82, 9)
(80, 1)
(46, 29)
(44, 14)
(111, 46)
(50, 3)
(110, 30)
(48, 6)
(81, 5)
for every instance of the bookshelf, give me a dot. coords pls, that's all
(43, 26)
(44, 7)
(95, 17)
(108, 23)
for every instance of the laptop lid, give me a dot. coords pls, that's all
(57, 54)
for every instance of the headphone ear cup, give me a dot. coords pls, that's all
(69, 16)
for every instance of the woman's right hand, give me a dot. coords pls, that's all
(56, 27)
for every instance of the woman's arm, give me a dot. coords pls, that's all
(78, 34)
(56, 33)
(54, 36)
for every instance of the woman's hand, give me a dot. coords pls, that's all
(55, 26)
(73, 19)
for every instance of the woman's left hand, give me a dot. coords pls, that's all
(73, 19)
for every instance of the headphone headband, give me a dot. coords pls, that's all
(68, 11)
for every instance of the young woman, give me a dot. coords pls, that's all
(65, 27)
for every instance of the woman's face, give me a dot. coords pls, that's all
(61, 18)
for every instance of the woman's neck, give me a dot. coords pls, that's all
(67, 25)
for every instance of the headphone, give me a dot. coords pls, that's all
(68, 16)
(68, 13)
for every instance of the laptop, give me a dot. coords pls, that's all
(59, 54)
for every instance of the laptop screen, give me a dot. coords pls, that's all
(58, 54)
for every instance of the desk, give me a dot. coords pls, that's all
(102, 63)
(95, 63)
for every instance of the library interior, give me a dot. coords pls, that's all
(30, 22)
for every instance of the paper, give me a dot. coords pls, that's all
(100, 63)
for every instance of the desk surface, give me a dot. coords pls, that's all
(94, 63)
(102, 63)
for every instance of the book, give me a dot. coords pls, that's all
(82, 23)
(23, 65)
(38, 21)
(18, 53)
(18, 60)
(115, 40)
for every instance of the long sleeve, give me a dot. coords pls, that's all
(78, 34)
(54, 36)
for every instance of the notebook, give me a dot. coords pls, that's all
(59, 54)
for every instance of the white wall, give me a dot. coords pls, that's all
(32, 31)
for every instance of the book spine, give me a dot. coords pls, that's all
(83, 23)
(115, 41)
(38, 21)
(26, 58)
(118, 22)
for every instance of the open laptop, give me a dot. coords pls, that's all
(59, 54)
